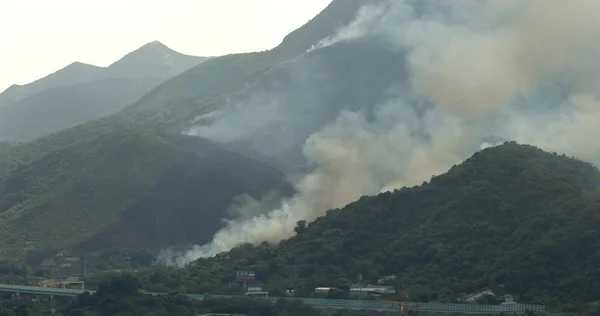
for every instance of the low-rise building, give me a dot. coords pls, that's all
(371, 290)
(324, 290)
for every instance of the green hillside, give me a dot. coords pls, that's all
(131, 190)
(512, 218)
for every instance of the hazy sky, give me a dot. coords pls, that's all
(41, 36)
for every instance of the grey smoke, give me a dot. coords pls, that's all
(489, 68)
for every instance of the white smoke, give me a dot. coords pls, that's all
(354, 157)
(484, 65)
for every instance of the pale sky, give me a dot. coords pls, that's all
(41, 36)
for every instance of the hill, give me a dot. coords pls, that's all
(133, 190)
(79, 92)
(512, 218)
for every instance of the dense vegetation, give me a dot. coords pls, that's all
(120, 297)
(15, 273)
(137, 190)
(512, 218)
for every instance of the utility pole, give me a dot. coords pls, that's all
(403, 292)
(360, 284)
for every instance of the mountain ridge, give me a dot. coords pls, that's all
(174, 103)
(79, 72)
(80, 92)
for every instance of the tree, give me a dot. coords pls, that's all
(125, 285)
(300, 227)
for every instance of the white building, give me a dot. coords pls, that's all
(371, 290)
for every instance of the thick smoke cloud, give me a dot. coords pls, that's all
(517, 70)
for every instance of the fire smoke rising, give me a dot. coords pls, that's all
(518, 70)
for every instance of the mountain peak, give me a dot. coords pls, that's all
(157, 55)
(149, 50)
(156, 45)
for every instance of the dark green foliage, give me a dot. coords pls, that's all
(512, 218)
(128, 190)
(125, 285)
(14, 272)
(120, 296)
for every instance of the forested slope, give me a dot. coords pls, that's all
(513, 218)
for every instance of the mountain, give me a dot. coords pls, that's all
(131, 190)
(79, 92)
(153, 60)
(512, 218)
(173, 104)
(74, 73)
(292, 100)
(59, 108)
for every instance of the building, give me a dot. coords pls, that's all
(256, 291)
(371, 290)
(508, 300)
(324, 290)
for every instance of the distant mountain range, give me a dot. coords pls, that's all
(81, 92)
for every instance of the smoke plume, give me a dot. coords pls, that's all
(516, 70)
